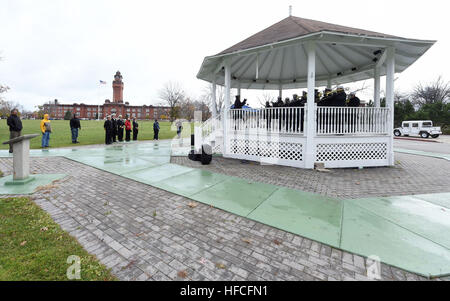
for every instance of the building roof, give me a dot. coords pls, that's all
(294, 27)
(276, 57)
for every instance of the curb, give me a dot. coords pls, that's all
(417, 139)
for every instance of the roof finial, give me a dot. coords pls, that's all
(290, 10)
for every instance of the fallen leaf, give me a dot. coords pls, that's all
(45, 229)
(220, 266)
(246, 240)
(357, 183)
(182, 274)
(277, 242)
(193, 205)
(23, 243)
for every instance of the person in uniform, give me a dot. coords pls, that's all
(120, 128)
(353, 101)
(108, 130)
(135, 129)
(340, 98)
(114, 128)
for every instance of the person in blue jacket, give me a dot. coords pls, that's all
(156, 129)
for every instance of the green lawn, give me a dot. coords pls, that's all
(34, 248)
(92, 132)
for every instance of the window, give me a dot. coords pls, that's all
(427, 124)
(415, 125)
(406, 125)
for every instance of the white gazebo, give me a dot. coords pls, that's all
(301, 53)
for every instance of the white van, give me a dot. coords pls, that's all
(421, 128)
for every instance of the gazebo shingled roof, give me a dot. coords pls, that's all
(344, 55)
(294, 27)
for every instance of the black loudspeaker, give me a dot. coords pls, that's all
(206, 154)
(194, 157)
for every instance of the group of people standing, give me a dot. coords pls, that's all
(114, 129)
(329, 98)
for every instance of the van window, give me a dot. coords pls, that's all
(415, 125)
(427, 124)
(406, 125)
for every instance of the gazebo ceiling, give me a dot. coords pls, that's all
(276, 57)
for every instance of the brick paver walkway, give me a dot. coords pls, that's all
(143, 233)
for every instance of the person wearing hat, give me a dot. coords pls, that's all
(108, 130)
(353, 101)
(340, 98)
(120, 127)
(114, 127)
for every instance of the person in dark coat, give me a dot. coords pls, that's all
(75, 126)
(353, 101)
(135, 129)
(15, 127)
(120, 128)
(114, 128)
(340, 98)
(108, 126)
(156, 129)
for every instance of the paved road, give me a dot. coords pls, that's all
(443, 147)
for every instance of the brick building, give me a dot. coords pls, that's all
(57, 110)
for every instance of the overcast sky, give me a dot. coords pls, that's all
(63, 48)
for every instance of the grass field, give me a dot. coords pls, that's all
(34, 248)
(92, 132)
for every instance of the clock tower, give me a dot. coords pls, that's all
(118, 88)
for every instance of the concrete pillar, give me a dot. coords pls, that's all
(310, 129)
(21, 161)
(390, 74)
(377, 87)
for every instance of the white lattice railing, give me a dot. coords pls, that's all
(356, 121)
(273, 120)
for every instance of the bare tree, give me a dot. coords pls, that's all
(206, 97)
(437, 91)
(266, 97)
(172, 94)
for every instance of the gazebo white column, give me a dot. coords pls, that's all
(214, 99)
(239, 89)
(377, 87)
(280, 91)
(329, 83)
(390, 74)
(227, 105)
(310, 156)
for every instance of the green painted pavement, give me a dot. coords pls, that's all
(191, 183)
(441, 199)
(236, 195)
(306, 214)
(157, 174)
(422, 153)
(418, 216)
(406, 232)
(369, 235)
(28, 188)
